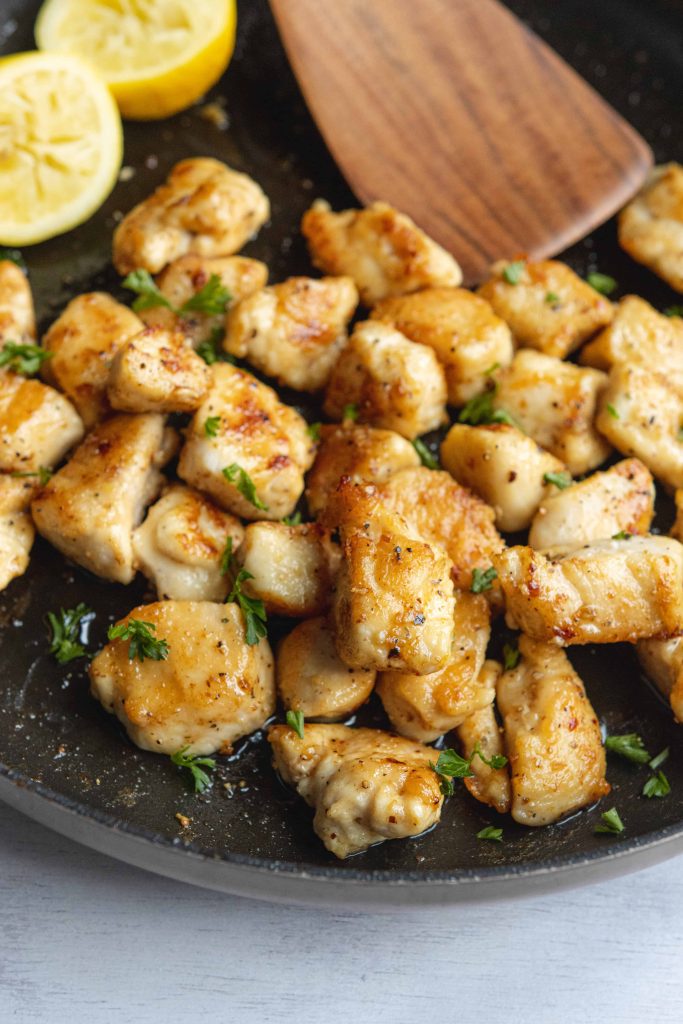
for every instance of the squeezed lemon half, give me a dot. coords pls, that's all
(60, 145)
(157, 56)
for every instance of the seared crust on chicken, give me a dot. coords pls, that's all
(606, 592)
(312, 678)
(555, 404)
(423, 707)
(466, 335)
(620, 500)
(17, 318)
(158, 371)
(549, 308)
(256, 432)
(480, 732)
(366, 785)
(180, 545)
(83, 342)
(651, 226)
(662, 662)
(393, 382)
(212, 688)
(16, 527)
(384, 251)
(552, 736)
(38, 426)
(91, 506)
(501, 465)
(203, 207)
(294, 331)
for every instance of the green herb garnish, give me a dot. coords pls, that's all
(66, 630)
(24, 359)
(630, 746)
(295, 721)
(210, 349)
(512, 273)
(659, 759)
(657, 785)
(511, 656)
(427, 458)
(479, 410)
(142, 643)
(551, 298)
(612, 411)
(611, 823)
(490, 832)
(293, 520)
(212, 299)
(245, 485)
(482, 579)
(602, 283)
(212, 426)
(622, 535)
(673, 311)
(313, 431)
(227, 557)
(559, 480)
(252, 608)
(195, 766)
(44, 474)
(450, 765)
(149, 295)
(350, 412)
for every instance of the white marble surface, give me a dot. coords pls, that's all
(87, 939)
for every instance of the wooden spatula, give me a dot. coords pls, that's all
(457, 114)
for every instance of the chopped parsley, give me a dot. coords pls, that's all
(602, 283)
(44, 474)
(511, 656)
(252, 608)
(482, 579)
(610, 823)
(427, 458)
(657, 785)
(195, 765)
(350, 412)
(450, 765)
(622, 535)
(25, 359)
(295, 721)
(630, 746)
(142, 643)
(612, 411)
(227, 557)
(293, 520)
(492, 369)
(512, 273)
(313, 431)
(480, 410)
(245, 485)
(551, 298)
(66, 627)
(659, 759)
(209, 349)
(148, 292)
(490, 832)
(212, 299)
(559, 480)
(673, 311)
(212, 426)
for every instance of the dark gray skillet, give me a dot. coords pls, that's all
(66, 763)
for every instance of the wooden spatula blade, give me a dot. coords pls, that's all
(459, 115)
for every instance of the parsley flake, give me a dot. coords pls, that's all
(659, 759)
(252, 608)
(245, 485)
(210, 351)
(480, 410)
(673, 311)
(149, 295)
(610, 823)
(602, 283)
(657, 786)
(212, 426)
(612, 411)
(622, 535)
(559, 480)
(313, 431)
(195, 765)
(24, 359)
(227, 557)
(427, 458)
(511, 656)
(295, 721)
(44, 474)
(490, 832)
(551, 298)
(213, 299)
(142, 643)
(512, 273)
(482, 579)
(450, 765)
(630, 746)
(293, 520)
(66, 632)
(350, 412)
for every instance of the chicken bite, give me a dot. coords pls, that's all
(651, 226)
(17, 318)
(620, 500)
(384, 251)
(180, 546)
(204, 208)
(294, 331)
(503, 466)
(547, 305)
(393, 382)
(440, 511)
(90, 507)
(257, 441)
(291, 567)
(16, 527)
(552, 736)
(158, 371)
(555, 404)
(365, 785)
(662, 662)
(83, 342)
(641, 415)
(38, 426)
(462, 329)
(363, 454)
(423, 707)
(606, 592)
(210, 689)
(640, 336)
(312, 678)
(480, 733)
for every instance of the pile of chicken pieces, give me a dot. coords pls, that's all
(398, 574)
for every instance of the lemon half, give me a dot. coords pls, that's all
(157, 56)
(60, 145)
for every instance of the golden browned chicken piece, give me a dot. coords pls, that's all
(481, 732)
(641, 336)
(211, 689)
(384, 251)
(16, 527)
(91, 506)
(292, 567)
(391, 382)
(555, 404)
(204, 208)
(180, 546)
(466, 335)
(294, 331)
(312, 678)
(17, 318)
(651, 226)
(83, 342)
(662, 662)
(641, 415)
(443, 513)
(393, 606)
(603, 593)
(243, 435)
(365, 785)
(158, 371)
(363, 454)
(424, 707)
(620, 500)
(503, 466)
(546, 304)
(182, 279)
(552, 736)
(38, 426)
